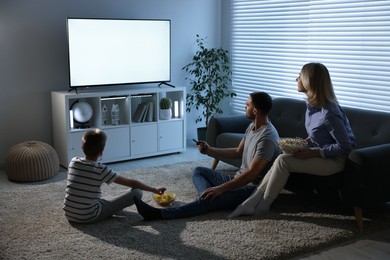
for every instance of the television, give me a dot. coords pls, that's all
(106, 52)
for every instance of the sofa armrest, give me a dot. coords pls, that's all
(224, 124)
(366, 179)
(374, 156)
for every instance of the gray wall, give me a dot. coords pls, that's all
(33, 53)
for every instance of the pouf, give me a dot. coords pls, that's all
(31, 161)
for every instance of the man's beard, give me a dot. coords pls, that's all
(250, 116)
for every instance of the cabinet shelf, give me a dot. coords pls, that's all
(114, 126)
(131, 134)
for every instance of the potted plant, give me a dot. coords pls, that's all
(165, 108)
(209, 74)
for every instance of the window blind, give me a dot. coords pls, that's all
(272, 40)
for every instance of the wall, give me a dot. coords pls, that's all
(33, 47)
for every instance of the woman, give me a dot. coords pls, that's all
(330, 139)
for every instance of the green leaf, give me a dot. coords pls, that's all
(209, 75)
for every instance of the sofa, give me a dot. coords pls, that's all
(365, 181)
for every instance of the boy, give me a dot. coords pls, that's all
(83, 202)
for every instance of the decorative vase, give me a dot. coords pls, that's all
(165, 114)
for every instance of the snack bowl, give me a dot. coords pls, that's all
(165, 199)
(292, 145)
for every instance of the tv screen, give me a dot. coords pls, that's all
(118, 51)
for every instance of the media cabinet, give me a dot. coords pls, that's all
(130, 138)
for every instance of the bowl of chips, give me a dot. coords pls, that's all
(292, 145)
(165, 199)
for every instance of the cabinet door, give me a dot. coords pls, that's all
(75, 145)
(171, 135)
(117, 144)
(143, 139)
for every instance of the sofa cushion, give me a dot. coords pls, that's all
(226, 124)
(369, 127)
(288, 117)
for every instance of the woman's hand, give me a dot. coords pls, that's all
(308, 140)
(307, 153)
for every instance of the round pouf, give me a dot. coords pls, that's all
(31, 161)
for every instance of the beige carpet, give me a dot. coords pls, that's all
(33, 226)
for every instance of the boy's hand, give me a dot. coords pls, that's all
(160, 190)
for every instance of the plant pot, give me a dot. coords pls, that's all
(165, 114)
(202, 133)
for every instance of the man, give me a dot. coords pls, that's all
(220, 191)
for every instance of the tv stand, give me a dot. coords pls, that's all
(164, 83)
(135, 136)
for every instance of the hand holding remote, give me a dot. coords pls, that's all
(203, 145)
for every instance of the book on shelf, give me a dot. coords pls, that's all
(144, 112)
(143, 117)
(149, 116)
(139, 112)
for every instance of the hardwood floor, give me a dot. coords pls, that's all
(375, 246)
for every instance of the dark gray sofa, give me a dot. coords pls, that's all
(365, 181)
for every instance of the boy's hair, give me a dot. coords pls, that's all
(262, 101)
(94, 142)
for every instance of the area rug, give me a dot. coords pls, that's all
(33, 226)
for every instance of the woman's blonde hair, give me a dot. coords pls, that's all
(316, 80)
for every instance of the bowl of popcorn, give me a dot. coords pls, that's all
(165, 199)
(292, 145)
